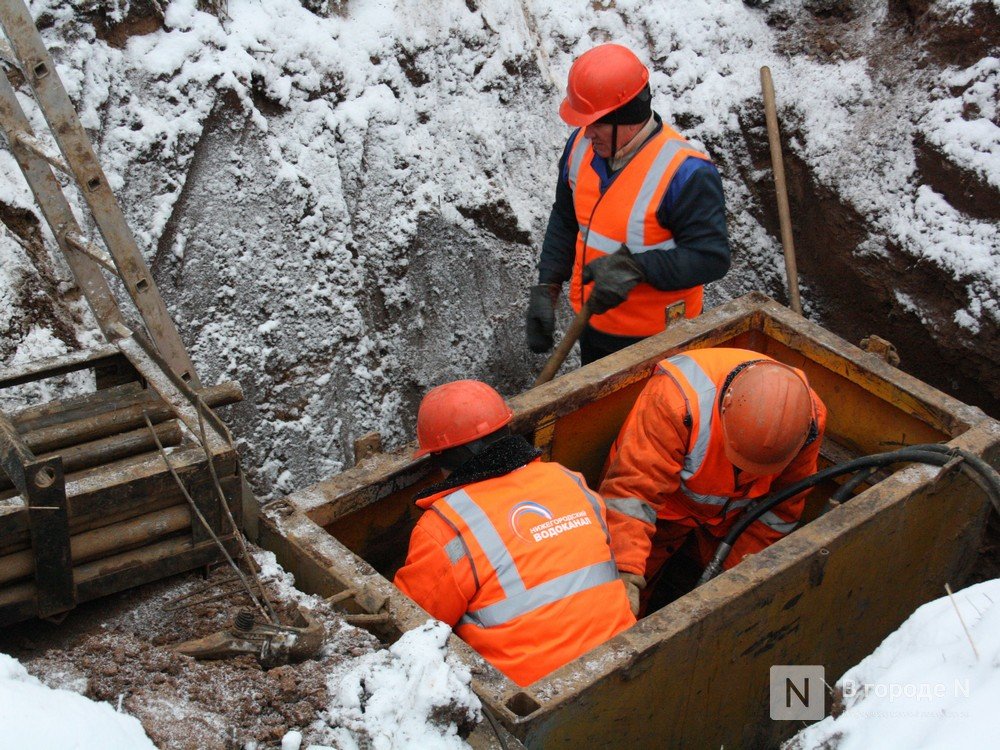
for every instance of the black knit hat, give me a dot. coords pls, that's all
(633, 112)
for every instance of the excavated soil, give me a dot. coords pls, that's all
(118, 650)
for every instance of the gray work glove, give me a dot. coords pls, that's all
(633, 585)
(540, 322)
(614, 276)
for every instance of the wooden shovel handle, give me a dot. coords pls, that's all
(562, 351)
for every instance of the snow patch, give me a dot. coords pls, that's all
(33, 715)
(394, 698)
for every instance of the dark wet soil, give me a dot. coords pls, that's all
(117, 649)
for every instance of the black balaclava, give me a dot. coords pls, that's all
(636, 110)
(452, 458)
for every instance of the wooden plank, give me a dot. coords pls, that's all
(59, 365)
(105, 541)
(18, 540)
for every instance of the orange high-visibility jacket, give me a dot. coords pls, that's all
(626, 214)
(669, 462)
(520, 565)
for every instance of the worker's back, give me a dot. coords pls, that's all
(529, 566)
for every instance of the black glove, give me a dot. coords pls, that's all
(614, 276)
(540, 322)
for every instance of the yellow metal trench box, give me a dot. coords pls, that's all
(695, 673)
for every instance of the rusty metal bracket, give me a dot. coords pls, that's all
(673, 311)
(271, 644)
(366, 446)
(881, 348)
(41, 484)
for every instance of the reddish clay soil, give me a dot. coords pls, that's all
(117, 649)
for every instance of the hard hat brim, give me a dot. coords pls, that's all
(578, 119)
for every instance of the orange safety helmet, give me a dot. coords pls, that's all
(457, 413)
(766, 414)
(600, 81)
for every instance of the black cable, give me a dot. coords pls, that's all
(846, 490)
(933, 453)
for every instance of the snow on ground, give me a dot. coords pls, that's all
(388, 697)
(929, 686)
(35, 716)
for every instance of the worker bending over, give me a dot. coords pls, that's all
(512, 552)
(625, 178)
(712, 431)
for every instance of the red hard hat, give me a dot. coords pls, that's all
(457, 413)
(766, 414)
(601, 80)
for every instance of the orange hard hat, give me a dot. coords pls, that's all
(601, 80)
(767, 412)
(457, 413)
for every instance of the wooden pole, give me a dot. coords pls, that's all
(562, 351)
(784, 216)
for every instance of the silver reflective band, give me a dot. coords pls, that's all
(636, 231)
(455, 550)
(547, 593)
(576, 161)
(595, 504)
(633, 508)
(705, 389)
(714, 499)
(489, 540)
(771, 520)
(597, 241)
(607, 245)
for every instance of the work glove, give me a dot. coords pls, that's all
(633, 585)
(540, 322)
(614, 276)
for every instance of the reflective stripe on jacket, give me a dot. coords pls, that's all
(545, 586)
(626, 214)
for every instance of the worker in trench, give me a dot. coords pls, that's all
(639, 219)
(713, 430)
(512, 552)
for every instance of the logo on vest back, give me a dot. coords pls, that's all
(532, 521)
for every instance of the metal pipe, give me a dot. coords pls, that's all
(152, 553)
(113, 448)
(107, 540)
(102, 425)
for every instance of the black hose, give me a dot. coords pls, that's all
(846, 490)
(932, 453)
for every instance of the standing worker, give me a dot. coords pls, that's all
(712, 431)
(512, 552)
(625, 178)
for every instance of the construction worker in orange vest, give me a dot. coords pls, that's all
(712, 431)
(625, 179)
(512, 552)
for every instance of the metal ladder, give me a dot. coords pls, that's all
(27, 53)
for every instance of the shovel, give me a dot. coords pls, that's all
(562, 351)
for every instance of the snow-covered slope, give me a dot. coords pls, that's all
(343, 207)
